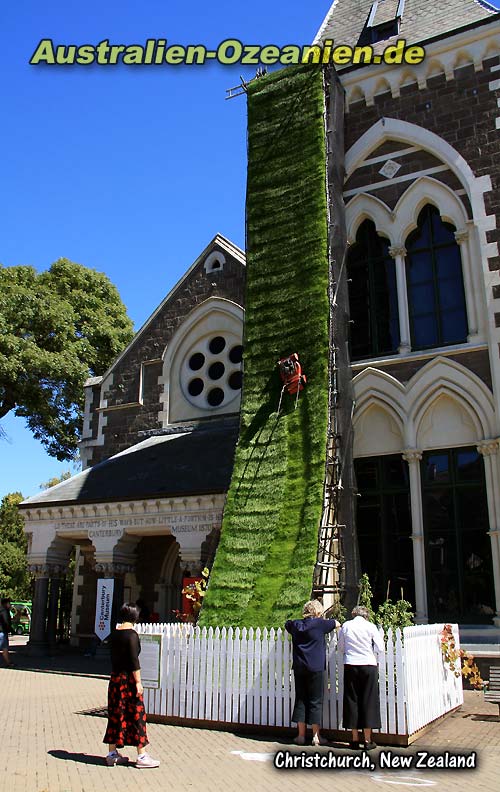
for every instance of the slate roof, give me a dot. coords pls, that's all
(185, 461)
(422, 19)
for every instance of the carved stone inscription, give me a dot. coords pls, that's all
(201, 522)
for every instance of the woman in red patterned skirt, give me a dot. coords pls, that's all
(126, 713)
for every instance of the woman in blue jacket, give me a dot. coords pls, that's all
(309, 663)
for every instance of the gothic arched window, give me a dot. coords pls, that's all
(373, 300)
(436, 298)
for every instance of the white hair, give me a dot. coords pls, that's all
(312, 609)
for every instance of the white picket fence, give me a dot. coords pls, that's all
(244, 677)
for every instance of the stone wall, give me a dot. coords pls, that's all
(132, 392)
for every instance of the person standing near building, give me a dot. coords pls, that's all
(309, 663)
(144, 612)
(359, 643)
(5, 629)
(126, 713)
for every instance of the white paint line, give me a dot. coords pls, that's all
(254, 757)
(397, 180)
(402, 780)
(392, 155)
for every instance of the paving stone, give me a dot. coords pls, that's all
(51, 743)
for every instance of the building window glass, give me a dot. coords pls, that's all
(373, 300)
(384, 526)
(436, 296)
(457, 546)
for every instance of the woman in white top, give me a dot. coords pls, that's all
(360, 642)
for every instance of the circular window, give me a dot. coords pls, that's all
(196, 386)
(217, 361)
(216, 370)
(216, 345)
(215, 397)
(236, 354)
(196, 361)
(235, 380)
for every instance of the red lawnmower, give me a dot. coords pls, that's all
(291, 376)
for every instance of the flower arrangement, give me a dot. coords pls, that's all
(184, 618)
(196, 591)
(451, 654)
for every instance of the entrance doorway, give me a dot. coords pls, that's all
(457, 547)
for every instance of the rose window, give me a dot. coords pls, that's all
(211, 374)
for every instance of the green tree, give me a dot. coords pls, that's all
(14, 577)
(45, 485)
(12, 521)
(56, 328)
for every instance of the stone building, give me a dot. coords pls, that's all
(422, 205)
(423, 215)
(159, 432)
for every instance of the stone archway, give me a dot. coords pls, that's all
(168, 586)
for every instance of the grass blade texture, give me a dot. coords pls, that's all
(264, 563)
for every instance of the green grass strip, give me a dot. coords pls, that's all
(264, 563)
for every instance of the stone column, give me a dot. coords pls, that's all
(37, 644)
(398, 253)
(489, 451)
(413, 457)
(462, 238)
(55, 586)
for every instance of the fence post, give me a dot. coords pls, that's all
(242, 716)
(287, 693)
(257, 667)
(235, 694)
(250, 675)
(400, 685)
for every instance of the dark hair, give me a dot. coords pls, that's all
(129, 613)
(6, 601)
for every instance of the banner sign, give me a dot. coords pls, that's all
(150, 658)
(104, 602)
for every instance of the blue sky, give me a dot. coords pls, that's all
(130, 171)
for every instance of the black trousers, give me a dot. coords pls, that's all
(308, 697)
(361, 698)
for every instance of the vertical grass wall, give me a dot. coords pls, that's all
(264, 563)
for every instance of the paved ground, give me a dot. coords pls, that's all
(50, 743)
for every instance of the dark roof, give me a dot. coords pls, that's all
(194, 462)
(421, 20)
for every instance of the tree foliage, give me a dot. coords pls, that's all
(56, 329)
(52, 482)
(14, 576)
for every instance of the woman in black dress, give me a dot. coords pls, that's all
(309, 662)
(126, 713)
